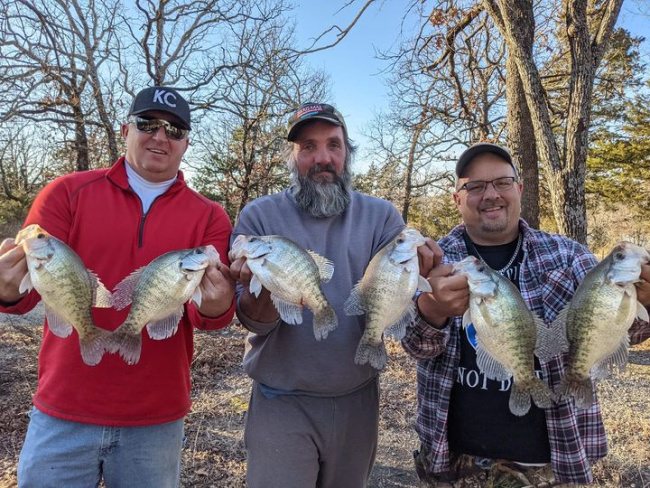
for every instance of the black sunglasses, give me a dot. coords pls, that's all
(149, 126)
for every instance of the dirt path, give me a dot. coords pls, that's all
(213, 456)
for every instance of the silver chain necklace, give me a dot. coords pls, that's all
(512, 259)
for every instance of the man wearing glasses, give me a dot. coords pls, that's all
(113, 421)
(464, 422)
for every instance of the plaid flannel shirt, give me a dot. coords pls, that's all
(552, 268)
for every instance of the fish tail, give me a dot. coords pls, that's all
(375, 354)
(578, 387)
(127, 344)
(93, 345)
(519, 399)
(542, 394)
(325, 322)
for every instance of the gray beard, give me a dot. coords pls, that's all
(322, 199)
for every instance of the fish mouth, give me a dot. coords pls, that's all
(250, 247)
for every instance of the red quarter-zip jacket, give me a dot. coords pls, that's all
(100, 217)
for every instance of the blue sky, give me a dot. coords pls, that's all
(358, 89)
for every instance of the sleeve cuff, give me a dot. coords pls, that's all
(260, 328)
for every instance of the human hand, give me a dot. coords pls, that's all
(239, 271)
(217, 290)
(643, 286)
(429, 256)
(13, 268)
(260, 308)
(449, 296)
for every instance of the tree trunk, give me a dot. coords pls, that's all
(566, 176)
(81, 140)
(521, 135)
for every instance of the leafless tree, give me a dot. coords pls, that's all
(23, 170)
(51, 63)
(244, 147)
(588, 25)
(447, 89)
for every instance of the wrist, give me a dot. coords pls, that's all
(427, 310)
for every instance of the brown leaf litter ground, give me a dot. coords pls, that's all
(213, 456)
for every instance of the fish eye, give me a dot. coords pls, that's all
(480, 269)
(40, 236)
(619, 256)
(400, 240)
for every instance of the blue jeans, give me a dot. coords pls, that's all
(59, 453)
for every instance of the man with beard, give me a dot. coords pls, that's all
(464, 421)
(313, 413)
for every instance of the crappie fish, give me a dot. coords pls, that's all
(292, 275)
(67, 288)
(506, 333)
(385, 295)
(157, 293)
(597, 320)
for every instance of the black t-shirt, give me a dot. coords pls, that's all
(480, 422)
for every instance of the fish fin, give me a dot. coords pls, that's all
(325, 322)
(375, 354)
(93, 345)
(123, 293)
(289, 312)
(581, 389)
(197, 296)
(58, 326)
(165, 328)
(642, 312)
(467, 318)
(325, 266)
(127, 344)
(618, 358)
(519, 401)
(255, 286)
(25, 284)
(398, 329)
(355, 305)
(551, 341)
(102, 298)
(485, 313)
(542, 395)
(423, 284)
(489, 366)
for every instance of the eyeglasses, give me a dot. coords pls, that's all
(150, 126)
(501, 185)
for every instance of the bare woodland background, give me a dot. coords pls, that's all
(556, 80)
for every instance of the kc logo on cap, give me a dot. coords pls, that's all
(165, 99)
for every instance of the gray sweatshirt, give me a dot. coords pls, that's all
(289, 358)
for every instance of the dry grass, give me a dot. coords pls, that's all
(214, 457)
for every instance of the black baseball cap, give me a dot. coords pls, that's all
(480, 148)
(312, 111)
(163, 99)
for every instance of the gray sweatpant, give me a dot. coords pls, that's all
(296, 441)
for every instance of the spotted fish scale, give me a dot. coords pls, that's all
(385, 294)
(292, 275)
(597, 319)
(67, 288)
(506, 333)
(157, 293)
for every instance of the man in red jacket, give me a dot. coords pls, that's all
(120, 422)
